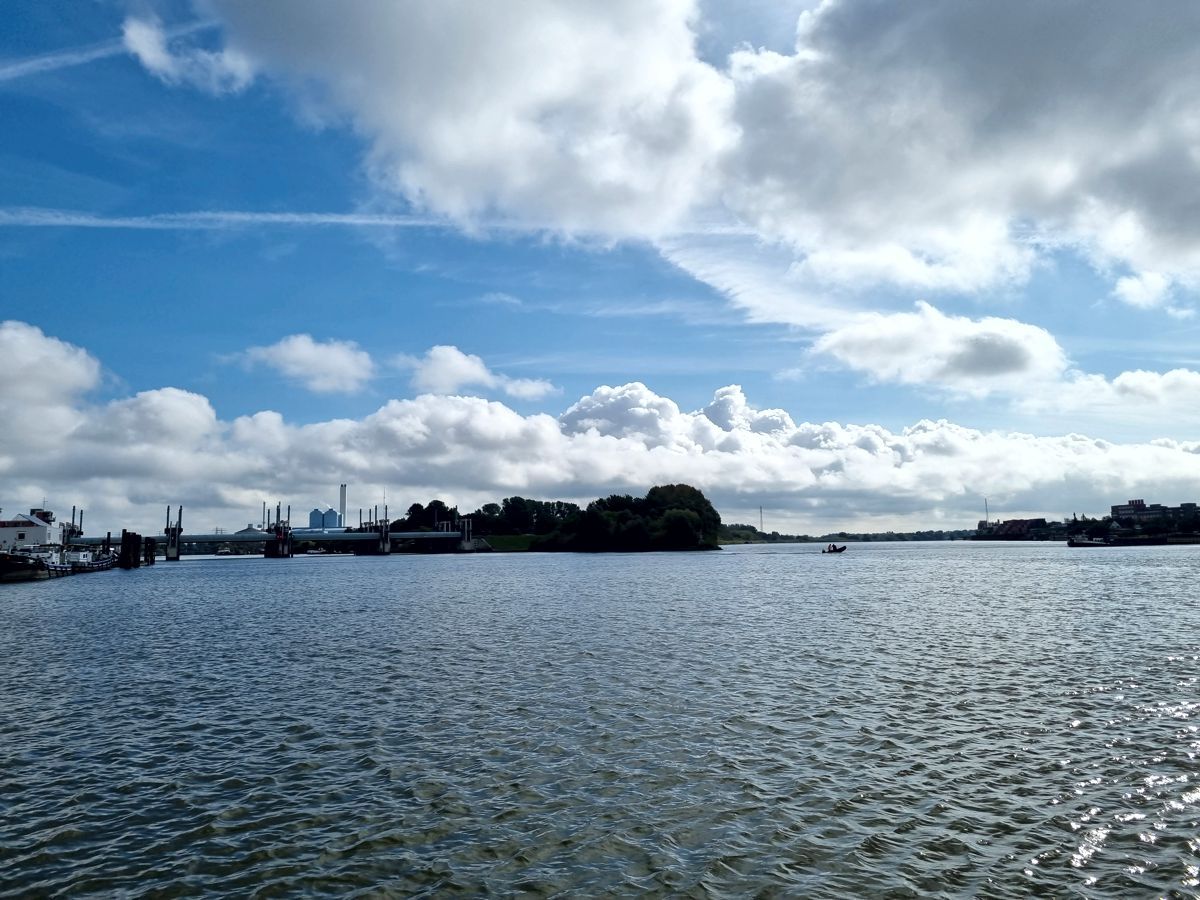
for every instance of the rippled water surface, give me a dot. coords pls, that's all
(903, 720)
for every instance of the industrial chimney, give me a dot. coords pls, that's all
(342, 507)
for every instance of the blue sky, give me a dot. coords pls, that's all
(434, 251)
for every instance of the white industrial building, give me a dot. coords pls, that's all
(26, 530)
(327, 519)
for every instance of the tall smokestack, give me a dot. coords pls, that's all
(342, 507)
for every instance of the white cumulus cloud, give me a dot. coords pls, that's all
(567, 115)
(903, 144)
(40, 390)
(950, 352)
(447, 370)
(1145, 291)
(1137, 397)
(325, 367)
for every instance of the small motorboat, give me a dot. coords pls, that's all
(833, 548)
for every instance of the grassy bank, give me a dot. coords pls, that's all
(510, 543)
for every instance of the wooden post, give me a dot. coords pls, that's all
(131, 550)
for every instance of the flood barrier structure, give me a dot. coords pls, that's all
(278, 539)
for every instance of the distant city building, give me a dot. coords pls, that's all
(1141, 512)
(1015, 530)
(1135, 520)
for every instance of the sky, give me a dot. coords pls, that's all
(859, 264)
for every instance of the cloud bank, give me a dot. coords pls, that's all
(893, 152)
(126, 459)
(892, 145)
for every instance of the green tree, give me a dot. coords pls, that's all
(679, 529)
(683, 496)
(517, 515)
(676, 517)
(437, 512)
(486, 519)
(632, 534)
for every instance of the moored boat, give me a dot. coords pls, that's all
(31, 563)
(34, 546)
(81, 561)
(37, 562)
(21, 567)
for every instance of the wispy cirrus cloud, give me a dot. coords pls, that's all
(217, 71)
(500, 298)
(78, 56)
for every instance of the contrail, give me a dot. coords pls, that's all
(211, 220)
(39, 217)
(78, 56)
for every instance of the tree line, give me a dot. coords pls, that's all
(668, 517)
(738, 533)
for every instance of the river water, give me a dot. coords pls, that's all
(947, 719)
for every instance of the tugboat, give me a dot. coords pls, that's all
(82, 560)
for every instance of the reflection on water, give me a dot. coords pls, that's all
(906, 719)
